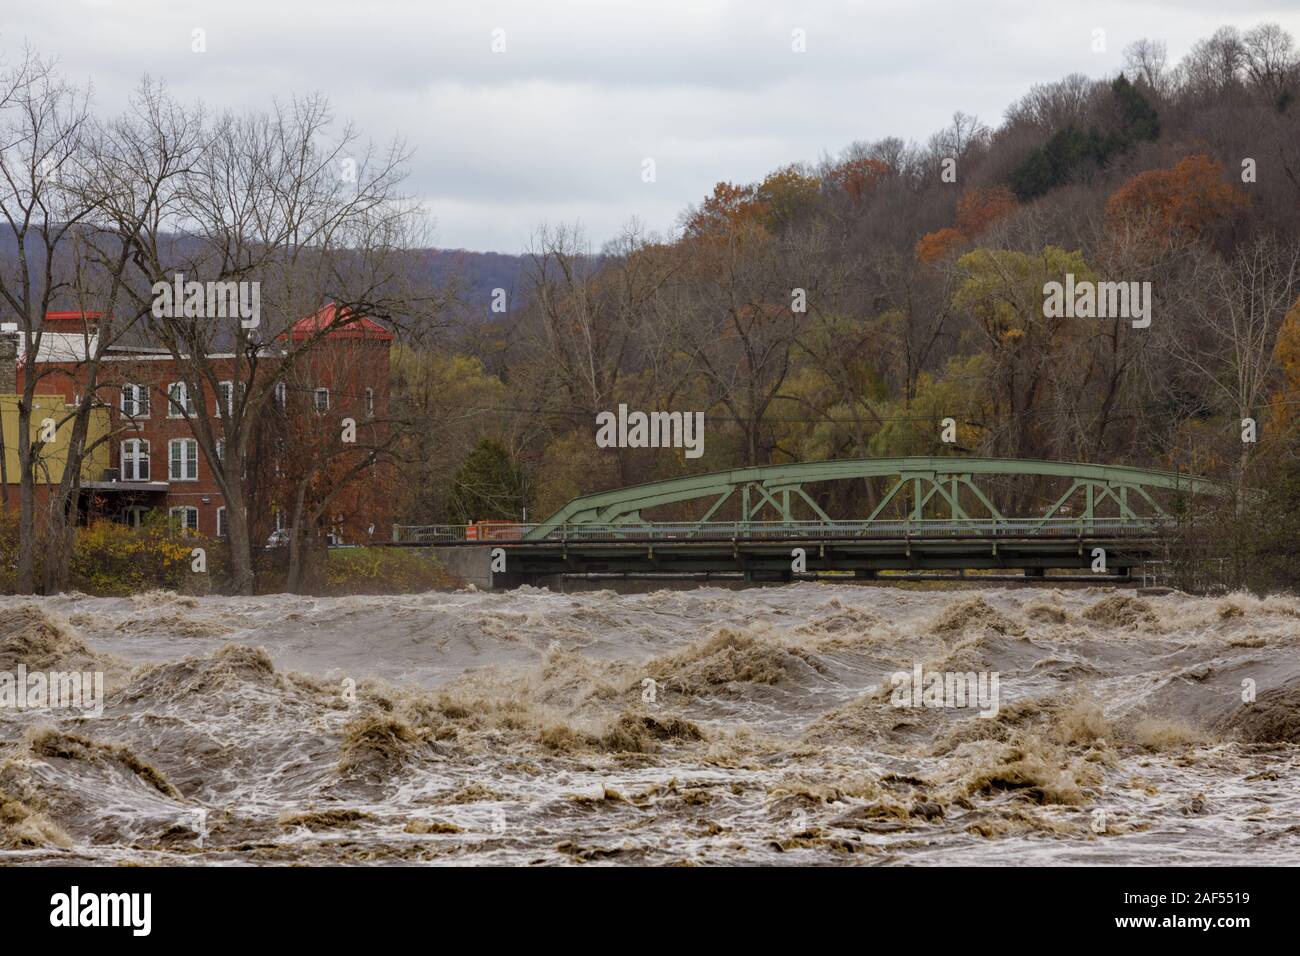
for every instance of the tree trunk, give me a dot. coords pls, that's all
(4, 472)
(26, 571)
(63, 507)
(1243, 462)
(241, 551)
(293, 580)
(58, 550)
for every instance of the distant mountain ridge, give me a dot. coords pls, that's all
(473, 275)
(476, 275)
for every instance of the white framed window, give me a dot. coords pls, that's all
(221, 450)
(183, 460)
(370, 403)
(225, 399)
(186, 517)
(221, 522)
(135, 401)
(135, 460)
(321, 397)
(281, 394)
(178, 398)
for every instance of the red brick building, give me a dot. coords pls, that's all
(156, 460)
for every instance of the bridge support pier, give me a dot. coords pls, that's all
(473, 564)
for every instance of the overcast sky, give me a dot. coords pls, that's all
(556, 127)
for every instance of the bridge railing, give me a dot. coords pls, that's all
(458, 533)
(782, 530)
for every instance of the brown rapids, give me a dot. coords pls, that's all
(517, 728)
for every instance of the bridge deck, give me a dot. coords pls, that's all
(768, 553)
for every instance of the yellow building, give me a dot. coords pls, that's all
(48, 417)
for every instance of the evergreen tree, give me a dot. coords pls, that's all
(487, 486)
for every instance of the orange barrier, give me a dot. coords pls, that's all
(495, 531)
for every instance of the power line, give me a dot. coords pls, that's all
(814, 419)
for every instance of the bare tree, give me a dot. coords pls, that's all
(1215, 63)
(594, 322)
(738, 322)
(580, 337)
(1052, 106)
(963, 134)
(1147, 61)
(44, 124)
(1270, 56)
(124, 189)
(1238, 308)
(301, 217)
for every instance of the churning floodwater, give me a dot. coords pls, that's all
(703, 726)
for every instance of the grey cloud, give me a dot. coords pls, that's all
(555, 128)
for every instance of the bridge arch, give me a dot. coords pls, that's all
(919, 480)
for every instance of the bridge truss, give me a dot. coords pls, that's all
(926, 491)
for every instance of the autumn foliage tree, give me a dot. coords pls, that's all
(1182, 201)
(981, 207)
(977, 210)
(1286, 354)
(936, 245)
(787, 195)
(856, 178)
(728, 209)
(781, 199)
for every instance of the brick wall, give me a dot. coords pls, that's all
(8, 362)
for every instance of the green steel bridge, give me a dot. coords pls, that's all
(926, 514)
